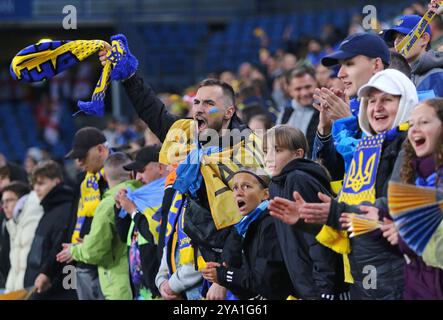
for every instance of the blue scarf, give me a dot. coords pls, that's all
(430, 181)
(148, 196)
(354, 105)
(243, 225)
(189, 178)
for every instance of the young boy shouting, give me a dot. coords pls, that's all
(253, 266)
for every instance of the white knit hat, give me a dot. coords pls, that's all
(393, 82)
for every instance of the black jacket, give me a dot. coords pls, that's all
(261, 270)
(4, 250)
(149, 107)
(51, 232)
(372, 249)
(315, 270)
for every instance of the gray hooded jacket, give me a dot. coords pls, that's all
(427, 72)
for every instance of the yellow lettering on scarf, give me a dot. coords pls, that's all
(89, 200)
(408, 42)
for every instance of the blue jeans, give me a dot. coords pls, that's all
(88, 285)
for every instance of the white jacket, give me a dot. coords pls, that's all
(21, 233)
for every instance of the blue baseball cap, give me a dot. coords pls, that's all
(366, 44)
(404, 25)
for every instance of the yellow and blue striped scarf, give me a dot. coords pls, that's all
(408, 42)
(44, 60)
(89, 200)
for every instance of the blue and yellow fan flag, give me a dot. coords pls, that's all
(215, 168)
(44, 60)
(148, 200)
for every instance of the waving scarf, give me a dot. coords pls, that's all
(44, 60)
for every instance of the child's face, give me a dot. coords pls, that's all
(277, 158)
(248, 192)
(425, 130)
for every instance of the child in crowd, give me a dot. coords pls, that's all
(260, 272)
(422, 165)
(315, 270)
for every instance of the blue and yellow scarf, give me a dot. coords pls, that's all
(90, 198)
(243, 225)
(44, 60)
(176, 239)
(212, 166)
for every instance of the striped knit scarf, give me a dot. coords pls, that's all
(44, 60)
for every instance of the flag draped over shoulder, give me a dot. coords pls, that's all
(44, 60)
(212, 165)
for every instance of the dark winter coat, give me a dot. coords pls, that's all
(262, 270)
(315, 270)
(51, 232)
(371, 254)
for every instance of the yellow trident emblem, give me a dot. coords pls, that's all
(358, 178)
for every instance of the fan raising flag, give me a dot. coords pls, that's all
(44, 60)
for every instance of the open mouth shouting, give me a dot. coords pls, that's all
(201, 122)
(419, 144)
(241, 205)
(380, 122)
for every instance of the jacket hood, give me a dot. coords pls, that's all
(310, 167)
(32, 205)
(393, 82)
(429, 60)
(61, 193)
